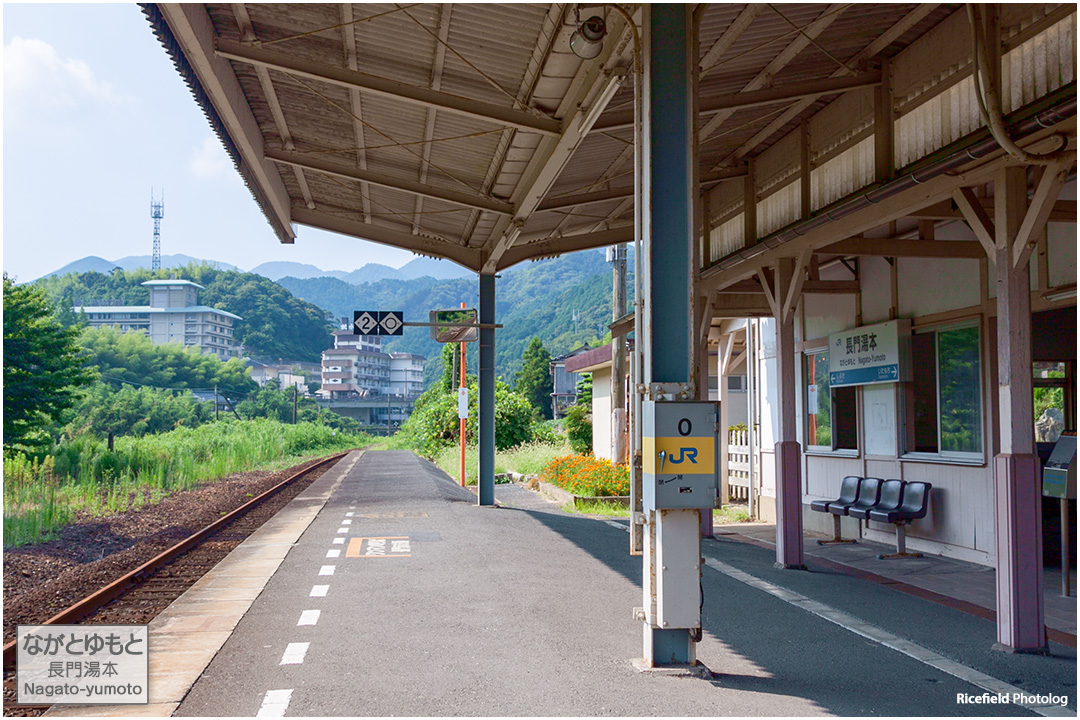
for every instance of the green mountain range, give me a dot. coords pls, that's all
(565, 301)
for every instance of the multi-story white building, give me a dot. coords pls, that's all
(407, 374)
(355, 367)
(173, 315)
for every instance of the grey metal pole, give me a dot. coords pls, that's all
(486, 481)
(618, 359)
(666, 338)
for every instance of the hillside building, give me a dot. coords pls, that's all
(173, 315)
(375, 388)
(564, 384)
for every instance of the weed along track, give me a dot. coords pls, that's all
(136, 596)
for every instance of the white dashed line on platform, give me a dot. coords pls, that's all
(342, 530)
(308, 617)
(339, 541)
(275, 703)
(327, 570)
(346, 521)
(294, 654)
(348, 514)
(333, 553)
(319, 591)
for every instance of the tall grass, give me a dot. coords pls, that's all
(42, 496)
(528, 459)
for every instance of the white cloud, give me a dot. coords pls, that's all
(211, 162)
(37, 78)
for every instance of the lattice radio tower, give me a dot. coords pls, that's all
(157, 211)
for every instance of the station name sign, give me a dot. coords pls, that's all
(872, 354)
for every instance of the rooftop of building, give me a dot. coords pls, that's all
(166, 283)
(151, 309)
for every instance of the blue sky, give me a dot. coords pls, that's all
(94, 116)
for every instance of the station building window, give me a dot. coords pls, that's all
(943, 402)
(831, 423)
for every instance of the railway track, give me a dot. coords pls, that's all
(137, 597)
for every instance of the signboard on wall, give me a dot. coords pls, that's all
(872, 354)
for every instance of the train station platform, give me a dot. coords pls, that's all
(402, 597)
(963, 585)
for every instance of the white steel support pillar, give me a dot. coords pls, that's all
(1017, 470)
(672, 547)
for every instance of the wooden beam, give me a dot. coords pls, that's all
(880, 43)
(977, 218)
(780, 60)
(1064, 211)
(884, 126)
(725, 357)
(194, 32)
(770, 293)
(1039, 209)
(936, 190)
(309, 162)
(426, 97)
(736, 306)
(792, 91)
(831, 287)
(569, 201)
(902, 247)
(798, 279)
(749, 206)
(732, 33)
(466, 257)
(561, 245)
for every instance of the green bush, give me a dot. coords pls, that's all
(434, 422)
(578, 425)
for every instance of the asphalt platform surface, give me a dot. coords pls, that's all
(434, 606)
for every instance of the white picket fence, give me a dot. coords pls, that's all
(738, 465)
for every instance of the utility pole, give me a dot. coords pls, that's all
(294, 402)
(216, 401)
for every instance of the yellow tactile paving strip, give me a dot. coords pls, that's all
(187, 635)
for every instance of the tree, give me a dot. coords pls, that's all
(584, 390)
(534, 381)
(43, 365)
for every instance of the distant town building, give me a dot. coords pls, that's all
(375, 388)
(564, 384)
(287, 374)
(173, 315)
(407, 374)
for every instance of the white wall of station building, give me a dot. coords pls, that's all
(935, 294)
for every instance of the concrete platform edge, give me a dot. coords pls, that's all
(197, 624)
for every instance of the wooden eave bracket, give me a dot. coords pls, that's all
(977, 218)
(1038, 212)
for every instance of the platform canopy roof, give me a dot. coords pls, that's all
(474, 133)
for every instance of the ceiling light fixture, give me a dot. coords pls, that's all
(588, 39)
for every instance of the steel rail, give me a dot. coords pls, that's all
(121, 585)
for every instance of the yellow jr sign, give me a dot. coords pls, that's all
(682, 455)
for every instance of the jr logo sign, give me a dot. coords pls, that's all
(684, 454)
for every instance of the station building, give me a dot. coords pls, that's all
(891, 175)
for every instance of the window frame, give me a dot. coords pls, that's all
(826, 450)
(951, 457)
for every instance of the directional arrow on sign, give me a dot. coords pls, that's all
(366, 323)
